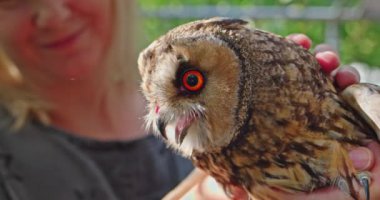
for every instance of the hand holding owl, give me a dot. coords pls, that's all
(370, 160)
(253, 109)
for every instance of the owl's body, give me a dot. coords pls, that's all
(265, 115)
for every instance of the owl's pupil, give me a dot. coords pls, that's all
(192, 80)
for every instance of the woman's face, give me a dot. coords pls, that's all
(56, 39)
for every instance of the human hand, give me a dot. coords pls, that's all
(363, 159)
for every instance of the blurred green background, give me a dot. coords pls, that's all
(359, 40)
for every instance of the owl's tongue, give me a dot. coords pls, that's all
(181, 128)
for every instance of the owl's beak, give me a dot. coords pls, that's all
(161, 124)
(182, 126)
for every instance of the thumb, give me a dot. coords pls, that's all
(362, 158)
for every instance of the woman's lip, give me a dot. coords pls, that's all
(63, 41)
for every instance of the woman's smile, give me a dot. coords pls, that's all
(64, 41)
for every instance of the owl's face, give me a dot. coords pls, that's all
(190, 84)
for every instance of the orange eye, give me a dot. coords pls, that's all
(193, 80)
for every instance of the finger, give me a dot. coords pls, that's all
(328, 61)
(209, 189)
(300, 39)
(238, 193)
(346, 76)
(375, 183)
(362, 158)
(375, 147)
(326, 193)
(375, 172)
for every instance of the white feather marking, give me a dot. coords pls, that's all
(198, 134)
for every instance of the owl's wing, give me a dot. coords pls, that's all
(364, 98)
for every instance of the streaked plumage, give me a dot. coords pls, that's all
(265, 117)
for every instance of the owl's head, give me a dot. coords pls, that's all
(190, 80)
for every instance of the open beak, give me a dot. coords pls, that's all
(180, 135)
(181, 128)
(161, 127)
(175, 130)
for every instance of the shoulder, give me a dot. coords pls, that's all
(6, 120)
(39, 164)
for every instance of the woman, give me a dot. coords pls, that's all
(72, 57)
(72, 127)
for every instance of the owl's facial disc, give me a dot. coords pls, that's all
(191, 85)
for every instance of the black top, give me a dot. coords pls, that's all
(140, 169)
(43, 163)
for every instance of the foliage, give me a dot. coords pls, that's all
(359, 40)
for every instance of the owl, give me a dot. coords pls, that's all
(252, 109)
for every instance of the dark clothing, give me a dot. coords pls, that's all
(43, 163)
(140, 169)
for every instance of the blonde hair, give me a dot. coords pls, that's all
(122, 53)
(20, 101)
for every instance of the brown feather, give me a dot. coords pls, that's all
(277, 123)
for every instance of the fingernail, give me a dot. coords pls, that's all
(360, 158)
(328, 61)
(346, 76)
(329, 56)
(302, 40)
(351, 70)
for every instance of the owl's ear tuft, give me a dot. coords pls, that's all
(227, 23)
